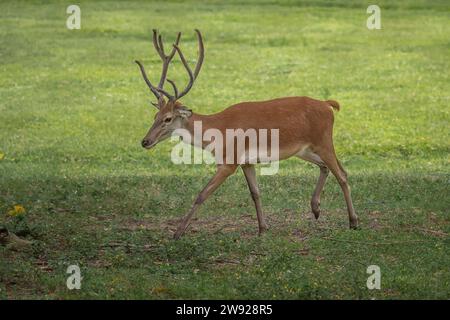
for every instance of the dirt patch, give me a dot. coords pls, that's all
(375, 218)
(293, 225)
(42, 263)
(287, 222)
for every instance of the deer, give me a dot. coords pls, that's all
(305, 131)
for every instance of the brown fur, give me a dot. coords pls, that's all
(300, 120)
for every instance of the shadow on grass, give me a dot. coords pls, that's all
(119, 230)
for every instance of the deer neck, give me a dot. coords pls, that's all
(197, 124)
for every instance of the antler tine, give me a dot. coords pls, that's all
(156, 45)
(166, 59)
(161, 45)
(147, 81)
(189, 71)
(175, 90)
(176, 43)
(157, 91)
(201, 53)
(165, 67)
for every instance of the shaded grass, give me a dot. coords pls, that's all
(119, 231)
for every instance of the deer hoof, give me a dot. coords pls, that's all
(315, 208)
(316, 213)
(178, 234)
(263, 228)
(354, 224)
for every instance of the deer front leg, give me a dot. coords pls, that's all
(250, 176)
(223, 172)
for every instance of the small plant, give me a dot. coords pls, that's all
(17, 222)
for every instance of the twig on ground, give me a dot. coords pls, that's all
(375, 243)
(128, 246)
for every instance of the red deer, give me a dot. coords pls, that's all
(305, 131)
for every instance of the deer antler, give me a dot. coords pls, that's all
(166, 59)
(158, 44)
(192, 76)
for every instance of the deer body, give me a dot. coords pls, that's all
(305, 127)
(296, 118)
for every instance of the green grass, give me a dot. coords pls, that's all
(73, 109)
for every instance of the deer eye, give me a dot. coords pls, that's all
(167, 120)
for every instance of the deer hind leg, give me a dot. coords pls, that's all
(329, 158)
(315, 200)
(308, 155)
(223, 172)
(250, 176)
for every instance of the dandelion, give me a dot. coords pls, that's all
(16, 211)
(2, 156)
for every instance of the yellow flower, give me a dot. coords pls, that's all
(16, 211)
(2, 156)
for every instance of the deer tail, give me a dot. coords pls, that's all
(334, 104)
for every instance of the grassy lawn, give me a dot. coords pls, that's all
(74, 108)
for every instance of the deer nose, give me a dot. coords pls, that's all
(145, 143)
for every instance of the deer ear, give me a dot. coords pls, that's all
(184, 112)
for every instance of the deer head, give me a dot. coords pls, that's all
(172, 114)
